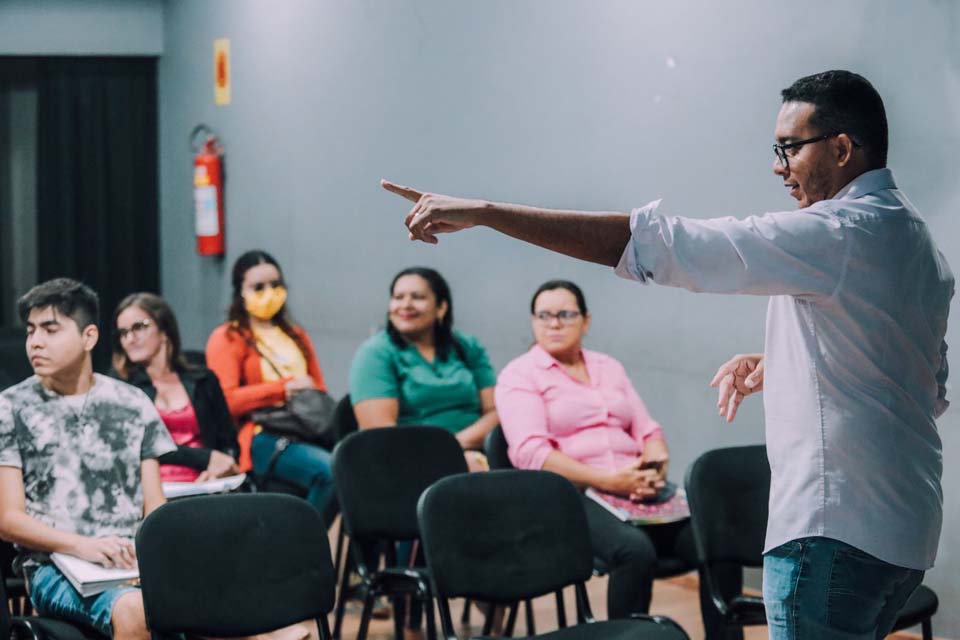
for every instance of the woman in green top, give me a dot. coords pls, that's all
(419, 371)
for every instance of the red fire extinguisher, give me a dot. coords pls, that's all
(208, 191)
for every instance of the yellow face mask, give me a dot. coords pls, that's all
(265, 304)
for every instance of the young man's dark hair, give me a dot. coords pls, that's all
(845, 103)
(73, 299)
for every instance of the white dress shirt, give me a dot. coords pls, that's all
(855, 362)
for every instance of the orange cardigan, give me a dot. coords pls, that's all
(237, 365)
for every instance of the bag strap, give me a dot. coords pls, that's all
(253, 343)
(279, 448)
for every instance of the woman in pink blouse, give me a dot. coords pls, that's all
(574, 412)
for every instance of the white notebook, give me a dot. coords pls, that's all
(221, 485)
(89, 578)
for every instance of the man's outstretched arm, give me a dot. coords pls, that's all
(593, 236)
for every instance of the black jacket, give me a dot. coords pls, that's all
(217, 429)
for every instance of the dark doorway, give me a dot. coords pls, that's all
(93, 183)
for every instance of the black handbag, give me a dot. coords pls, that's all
(306, 417)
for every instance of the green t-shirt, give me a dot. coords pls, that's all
(439, 393)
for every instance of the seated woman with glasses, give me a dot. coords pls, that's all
(263, 359)
(575, 412)
(147, 354)
(420, 371)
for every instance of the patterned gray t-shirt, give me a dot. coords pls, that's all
(81, 459)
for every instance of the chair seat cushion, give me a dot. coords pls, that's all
(614, 630)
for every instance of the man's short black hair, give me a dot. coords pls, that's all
(73, 299)
(845, 102)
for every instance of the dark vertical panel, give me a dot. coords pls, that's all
(97, 167)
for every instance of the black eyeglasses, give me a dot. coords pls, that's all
(136, 330)
(260, 286)
(565, 317)
(780, 149)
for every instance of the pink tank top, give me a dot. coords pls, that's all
(185, 431)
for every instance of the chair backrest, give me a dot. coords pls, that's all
(495, 447)
(379, 475)
(234, 565)
(728, 491)
(504, 536)
(344, 418)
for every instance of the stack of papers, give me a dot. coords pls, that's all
(221, 485)
(89, 578)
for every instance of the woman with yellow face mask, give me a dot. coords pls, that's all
(263, 359)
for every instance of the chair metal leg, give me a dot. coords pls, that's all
(531, 627)
(511, 620)
(365, 616)
(323, 625)
(446, 620)
(927, 628)
(431, 620)
(488, 623)
(465, 616)
(561, 610)
(399, 615)
(338, 559)
(341, 602)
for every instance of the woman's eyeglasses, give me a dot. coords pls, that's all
(136, 330)
(565, 317)
(273, 284)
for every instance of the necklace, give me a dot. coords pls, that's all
(83, 405)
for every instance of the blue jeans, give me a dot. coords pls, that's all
(304, 465)
(53, 596)
(823, 589)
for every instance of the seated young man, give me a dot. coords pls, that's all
(78, 462)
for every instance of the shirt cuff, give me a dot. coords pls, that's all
(629, 267)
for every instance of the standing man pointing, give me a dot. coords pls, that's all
(854, 364)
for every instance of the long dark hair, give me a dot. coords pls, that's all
(162, 315)
(550, 285)
(237, 314)
(444, 341)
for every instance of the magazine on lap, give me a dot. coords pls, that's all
(670, 509)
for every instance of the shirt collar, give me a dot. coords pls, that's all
(541, 358)
(544, 360)
(47, 394)
(867, 183)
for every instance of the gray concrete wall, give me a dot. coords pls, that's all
(565, 103)
(81, 27)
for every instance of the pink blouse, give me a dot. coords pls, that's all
(185, 431)
(603, 424)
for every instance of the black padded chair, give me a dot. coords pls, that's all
(379, 475)
(728, 491)
(508, 536)
(16, 590)
(495, 447)
(16, 621)
(235, 565)
(346, 423)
